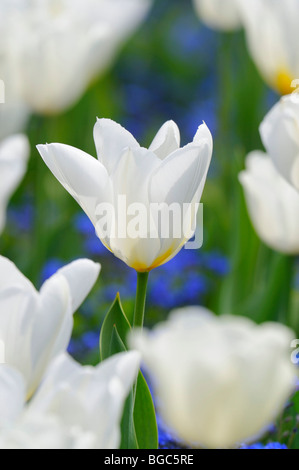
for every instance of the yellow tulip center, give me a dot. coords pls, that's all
(284, 82)
(160, 260)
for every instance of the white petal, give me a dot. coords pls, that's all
(12, 395)
(14, 153)
(81, 276)
(219, 14)
(272, 203)
(279, 132)
(111, 139)
(167, 140)
(82, 176)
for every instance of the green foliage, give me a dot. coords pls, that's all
(139, 408)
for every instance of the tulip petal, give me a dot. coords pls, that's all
(272, 203)
(12, 395)
(82, 176)
(81, 276)
(166, 141)
(14, 153)
(111, 139)
(90, 398)
(279, 132)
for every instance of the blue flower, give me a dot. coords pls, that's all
(50, 268)
(83, 224)
(270, 445)
(21, 217)
(217, 263)
(90, 340)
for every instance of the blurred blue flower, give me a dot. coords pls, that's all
(188, 39)
(92, 245)
(90, 340)
(270, 445)
(83, 224)
(217, 263)
(95, 247)
(50, 268)
(21, 217)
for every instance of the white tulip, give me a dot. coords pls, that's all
(54, 48)
(75, 408)
(273, 204)
(14, 153)
(280, 135)
(219, 381)
(126, 174)
(36, 326)
(272, 32)
(219, 14)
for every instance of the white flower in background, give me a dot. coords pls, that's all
(280, 135)
(219, 14)
(14, 153)
(56, 47)
(13, 118)
(75, 408)
(36, 326)
(219, 381)
(272, 35)
(164, 173)
(273, 204)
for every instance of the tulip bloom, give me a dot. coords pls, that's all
(36, 326)
(75, 408)
(272, 32)
(280, 136)
(55, 48)
(14, 153)
(219, 380)
(219, 14)
(273, 204)
(130, 179)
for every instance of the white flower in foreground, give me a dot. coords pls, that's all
(75, 408)
(131, 180)
(272, 35)
(280, 135)
(56, 47)
(219, 381)
(36, 326)
(219, 14)
(273, 204)
(14, 153)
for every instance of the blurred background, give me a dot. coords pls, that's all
(172, 67)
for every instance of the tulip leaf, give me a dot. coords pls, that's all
(139, 408)
(115, 319)
(296, 402)
(128, 432)
(144, 412)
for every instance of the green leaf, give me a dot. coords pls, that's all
(145, 416)
(128, 432)
(115, 322)
(138, 426)
(296, 402)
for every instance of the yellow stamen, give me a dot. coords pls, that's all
(284, 82)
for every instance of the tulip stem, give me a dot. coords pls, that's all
(142, 279)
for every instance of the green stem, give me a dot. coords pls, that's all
(142, 279)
